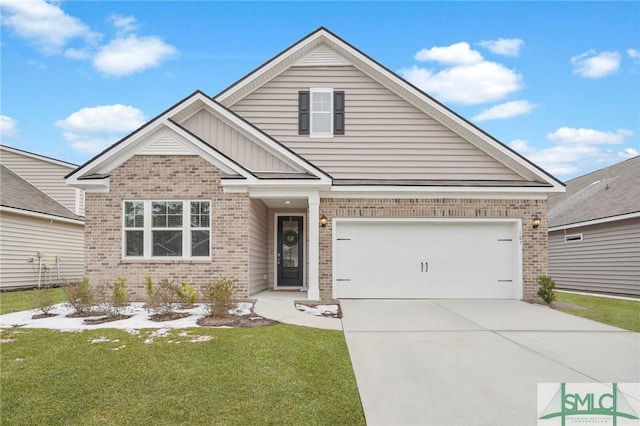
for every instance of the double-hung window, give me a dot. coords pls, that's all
(321, 112)
(167, 229)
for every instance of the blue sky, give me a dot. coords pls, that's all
(557, 81)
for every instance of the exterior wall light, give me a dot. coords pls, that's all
(323, 221)
(535, 222)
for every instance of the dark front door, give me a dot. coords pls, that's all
(290, 245)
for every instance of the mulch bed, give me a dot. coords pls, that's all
(38, 316)
(236, 321)
(102, 320)
(168, 316)
(313, 304)
(84, 314)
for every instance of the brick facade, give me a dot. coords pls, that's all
(534, 241)
(166, 178)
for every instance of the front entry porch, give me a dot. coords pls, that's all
(283, 244)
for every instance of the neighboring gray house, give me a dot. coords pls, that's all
(594, 231)
(321, 171)
(41, 223)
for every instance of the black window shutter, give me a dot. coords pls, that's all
(303, 112)
(338, 112)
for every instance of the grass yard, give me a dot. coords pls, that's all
(23, 300)
(282, 374)
(619, 313)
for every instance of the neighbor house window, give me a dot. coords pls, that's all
(321, 112)
(161, 229)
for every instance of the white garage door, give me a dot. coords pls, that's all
(434, 259)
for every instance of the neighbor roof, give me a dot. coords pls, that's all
(605, 193)
(19, 194)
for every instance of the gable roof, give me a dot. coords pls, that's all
(607, 193)
(166, 130)
(324, 45)
(19, 194)
(38, 157)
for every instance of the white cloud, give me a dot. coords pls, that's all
(43, 24)
(577, 151)
(592, 64)
(455, 54)
(124, 24)
(634, 54)
(125, 56)
(466, 84)
(503, 46)
(8, 126)
(90, 130)
(570, 135)
(505, 110)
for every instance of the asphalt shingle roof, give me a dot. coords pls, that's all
(612, 191)
(20, 194)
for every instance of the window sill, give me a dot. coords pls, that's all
(164, 260)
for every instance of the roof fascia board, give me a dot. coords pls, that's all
(595, 221)
(40, 215)
(396, 84)
(271, 145)
(39, 157)
(430, 195)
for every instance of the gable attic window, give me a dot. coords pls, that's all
(166, 229)
(321, 112)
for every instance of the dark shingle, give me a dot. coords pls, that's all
(17, 193)
(612, 191)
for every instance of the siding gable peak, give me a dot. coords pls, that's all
(322, 56)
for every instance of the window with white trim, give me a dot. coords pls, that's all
(166, 229)
(322, 112)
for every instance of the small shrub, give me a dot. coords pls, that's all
(186, 294)
(545, 290)
(79, 295)
(220, 296)
(43, 300)
(161, 299)
(119, 297)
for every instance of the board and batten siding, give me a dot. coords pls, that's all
(385, 138)
(233, 144)
(258, 229)
(24, 236)
(606, 260)
(47, 176)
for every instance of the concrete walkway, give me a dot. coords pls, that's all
(475, 362)
(280, 306)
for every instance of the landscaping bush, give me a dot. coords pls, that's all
(163, 298)
(43, 301)
(119, 298)
(220, 296)
(186, 294)
(545, 291)
(80, 295)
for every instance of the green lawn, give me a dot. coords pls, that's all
(16, 301)
(276, 375)
(619, 313)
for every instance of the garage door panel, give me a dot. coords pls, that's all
(427, 260)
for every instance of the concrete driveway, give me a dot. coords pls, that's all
(475, 362)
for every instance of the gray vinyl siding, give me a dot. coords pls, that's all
(233, 144)
(258, 228)
(606, 260)
(23, 237)
(48, 177)
(386, 137)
